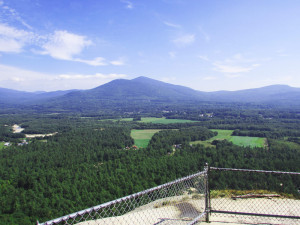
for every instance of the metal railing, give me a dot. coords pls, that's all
(211, 195)
(176, 202)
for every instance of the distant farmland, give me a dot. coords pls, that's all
(142, 137)
(161, 120)
(237, 140)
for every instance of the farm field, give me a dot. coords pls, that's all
(237, 140)
(162, 120)
(142, 137)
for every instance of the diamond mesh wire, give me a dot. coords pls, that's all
(259, 197)
(177, 202)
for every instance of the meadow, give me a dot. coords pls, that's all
(237, 140)
(164, 120)
(161, 120)
(142, 137)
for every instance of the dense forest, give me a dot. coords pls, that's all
(87, 163)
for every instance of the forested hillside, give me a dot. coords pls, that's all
(87, 163)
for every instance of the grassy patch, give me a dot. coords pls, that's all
(248, 141)
(237, 140)
(1, 145)
(142, 137)
(163, 120)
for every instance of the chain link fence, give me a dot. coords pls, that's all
(224, 195)
(178, 202)
(254, 196)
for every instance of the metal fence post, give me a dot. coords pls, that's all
(207, 193)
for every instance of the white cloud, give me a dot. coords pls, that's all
(64, 45)
(119, 62)
(12, 14)
(184, 40)
(61, 44)
(99, 61)
(209, 78)
(172, 24)
(235, 64)
(26, 80)
(233, 75)
(203, 57)
(12, 39)
(231, 69)
(129, 4)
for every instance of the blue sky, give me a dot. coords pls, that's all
(207, 45)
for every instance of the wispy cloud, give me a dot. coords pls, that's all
(203, 57)
(12, 39)
(209, 78)
(129, 4)
(173, 25)
(184, 40)
(223, 68)
(172, 55)
(98, 61)
(205, 35)
(119, 62)
(64, 45)
(27, 80)
(61, 44)
(12, 14)
(235, 65)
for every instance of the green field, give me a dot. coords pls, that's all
(162, 120)
(237, 140)
(142, 137)
(1, 145)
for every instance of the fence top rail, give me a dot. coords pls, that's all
(255, 171)
(104, 205)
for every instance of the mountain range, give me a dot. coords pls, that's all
(143, 90)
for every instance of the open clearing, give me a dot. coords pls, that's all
(39, 135)
(17, 129)
(142, 137)
(237, 140)
(164, 120)
(161, 120)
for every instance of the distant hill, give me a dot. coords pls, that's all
(268, 94)
(144, 92)
(11, 97)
